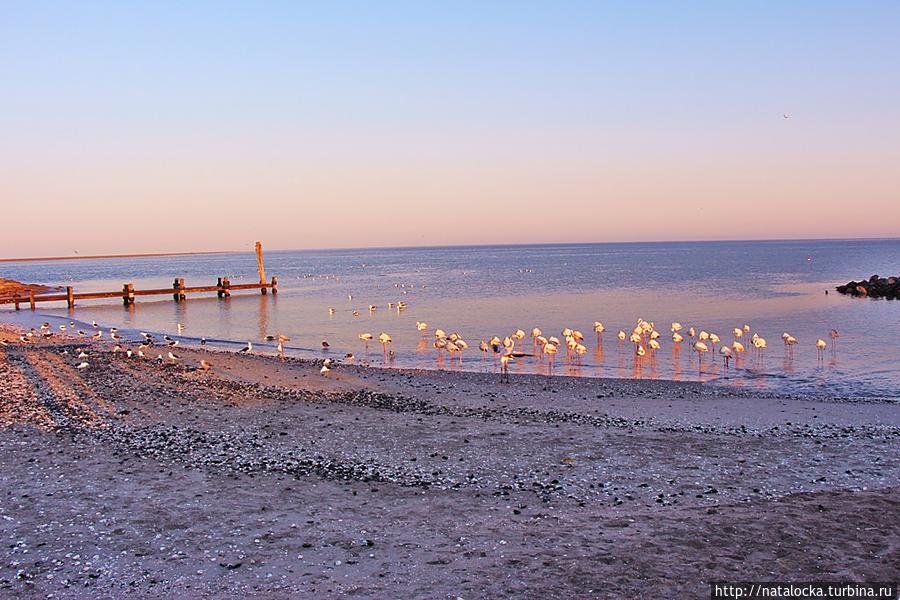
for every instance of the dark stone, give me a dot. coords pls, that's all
(874, 287)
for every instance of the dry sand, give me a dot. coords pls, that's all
(263, 478)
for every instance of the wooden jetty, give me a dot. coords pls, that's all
(223, 288)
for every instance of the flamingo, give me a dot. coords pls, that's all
(385, 340)
(789, 343)
(366, 338)
(550, 349)
(421, 327)
(725, 351)
(483, 346)
(700, 348)
(518, 335)
(621, 336)
(599, 329)
(677, 337)
(760, 345)
(535, 334)
(835, 334)
(504, 368)
(820, 346)
(676, 327)
(452, 348)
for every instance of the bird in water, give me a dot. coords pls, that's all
(366, 338)
(820, 347)
(725, 351)
(385, 340)
(325, 345)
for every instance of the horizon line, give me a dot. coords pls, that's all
(440, 246)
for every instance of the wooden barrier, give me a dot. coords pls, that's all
(179, 291)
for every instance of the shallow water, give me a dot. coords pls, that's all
(485, 291)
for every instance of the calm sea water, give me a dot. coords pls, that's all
(485, 291)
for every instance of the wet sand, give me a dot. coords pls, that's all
(265, 478)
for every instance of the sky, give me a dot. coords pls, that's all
(183, 126)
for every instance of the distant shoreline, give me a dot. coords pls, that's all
(102, 256)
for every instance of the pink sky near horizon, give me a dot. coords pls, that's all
(111, 146)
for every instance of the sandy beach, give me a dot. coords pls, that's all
(264, 478)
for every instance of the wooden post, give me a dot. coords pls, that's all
(219, 287)
(274, 285)
(70, 297)
(31, 298)
(128, 294)
(16, 300)
(261, 267)
(178, 286)
(226, 287)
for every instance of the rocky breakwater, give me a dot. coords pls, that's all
(874, 287)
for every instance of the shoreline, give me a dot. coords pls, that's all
(264, 477)
(265, 348)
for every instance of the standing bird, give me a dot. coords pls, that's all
(366, 338)
(421, 327)
(599, 329)
(504, 368)
(248, 348)
(835, 334)
(325, 345)
(700, 348)
(820, 346)
(760, 345)
(385, 341)
(280, 349)
(535, 334)
(550, 349)
(725, 351)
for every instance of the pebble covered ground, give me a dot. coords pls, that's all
(133, 478)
